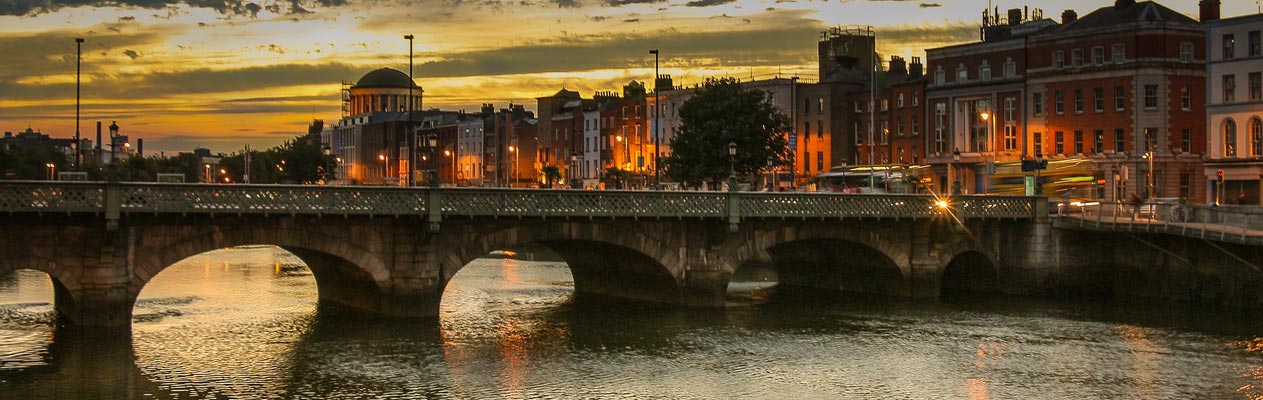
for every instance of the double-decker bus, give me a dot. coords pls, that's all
(1062, 176)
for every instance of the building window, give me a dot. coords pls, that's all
(858, 106)
(1230, 44)
(1038, 142)
(807, 131)
(1230, 88)
(1059, 102)
(819, 129)
(885, 132)
(962, 74)
(885, 104)
(899, 126)
(820, 105)
(1256, 85)
(1037, 103)
(1230, 138)
(819, 161)
(1256, 137)
(1098, 99)
(940, 140)
(915, 101)
(1120, 101)
(899, 100)
(1119, 141)
(916, 128)
(939, 76)
(1010, 68)
(1098, 55)
(1186, 98)
(1078, 142)
(1010, 137)
(1076, 57)
(1010, 109)
(1186, 52)
(1059, 59)
(1098, 141)
(1256, 48)
(1078, 101)
(1186, 140)
(858, 128)
(1118, 53)
(984, 71)
(1059, 143)
(1186, 180)
(1151, 96)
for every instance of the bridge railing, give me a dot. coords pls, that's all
(1242, 224)
(162, 198)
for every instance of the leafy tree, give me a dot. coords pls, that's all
(551, 174)
(720, 112)
(618, 176)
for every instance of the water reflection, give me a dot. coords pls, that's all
(243, 323)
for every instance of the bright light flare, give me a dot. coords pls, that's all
(942, 204)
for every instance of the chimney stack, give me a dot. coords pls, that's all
(1209, 10)
(914, 70)
(1068, 16)
(140, 147)
(1015, 16)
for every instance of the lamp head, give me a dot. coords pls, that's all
(985, 116)
(732, 148)
(408, 36)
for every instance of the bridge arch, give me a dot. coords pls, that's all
(346, 273)
(969, 271)
(609, 259)
(64, 282)
(828, 256)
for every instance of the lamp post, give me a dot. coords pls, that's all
(656, 119)
(78, 141)
(732, 166)
(206, 176)
(112, 169)
(769, 173)
(51, 167)
(1039, 164)
(412, 135)
(1149, 185)
(432, 142)
(447, 153)
(986, 119)
(513, 164)
(385, 166)
(956, 171)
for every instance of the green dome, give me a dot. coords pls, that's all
(387, 78)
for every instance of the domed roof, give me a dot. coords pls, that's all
(385, 78)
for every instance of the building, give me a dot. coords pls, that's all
(1234, 71)
(372, 142)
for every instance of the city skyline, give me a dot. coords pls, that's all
(224, 74)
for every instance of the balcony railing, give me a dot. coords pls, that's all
(1237, 224)
(161, 198)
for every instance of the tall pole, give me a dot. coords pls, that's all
(872, 112)
(78, 61)
(656, 118)
(412, 140)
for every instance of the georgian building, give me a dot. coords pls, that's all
(1235, 107)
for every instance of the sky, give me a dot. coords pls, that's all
(221, 74)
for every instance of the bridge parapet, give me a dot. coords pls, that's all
(115, 199)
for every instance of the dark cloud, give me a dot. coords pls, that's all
(707, 3)
(631, 20)
(619, 3)
(126, 19)
(929, 35)
(930, 5)
(243, 8)
(598, 18)
(131, 53)
(568, 3)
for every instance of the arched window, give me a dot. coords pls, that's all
(1230, 138)
(1256, 137)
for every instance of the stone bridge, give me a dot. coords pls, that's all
(391, 251)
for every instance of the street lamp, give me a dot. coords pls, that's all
(207, 177)
(769, 173)
(732, 166)
(412, 135)
(385, 166)
(512, 166)
(51, 167)
(78, 141)
(432, 142)
(656, 119)
(451, 162)
(956, 171)
(986, 119)
(112, 169)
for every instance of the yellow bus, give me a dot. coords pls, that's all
(1072, 175)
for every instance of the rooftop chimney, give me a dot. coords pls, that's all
(1015, 16)
(1068, 16)
(914, 70)
(1121, 4)
(1209, 10)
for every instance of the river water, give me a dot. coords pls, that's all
(243, 323)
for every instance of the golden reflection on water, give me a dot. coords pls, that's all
(988, 355)
(513, 353)
(1254, 389)
(977, 388)
(1144, 358)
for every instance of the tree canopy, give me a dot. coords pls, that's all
(720, 112)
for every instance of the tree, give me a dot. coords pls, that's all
(551, 174)
(720, 112)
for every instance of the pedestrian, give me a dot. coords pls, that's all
(1241, 198)
(1135, 205)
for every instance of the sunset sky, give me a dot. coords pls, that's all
(224, 73)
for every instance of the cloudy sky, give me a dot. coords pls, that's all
(224, 73)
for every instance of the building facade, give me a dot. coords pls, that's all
(1235, 108)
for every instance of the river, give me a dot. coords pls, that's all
(244, 323)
